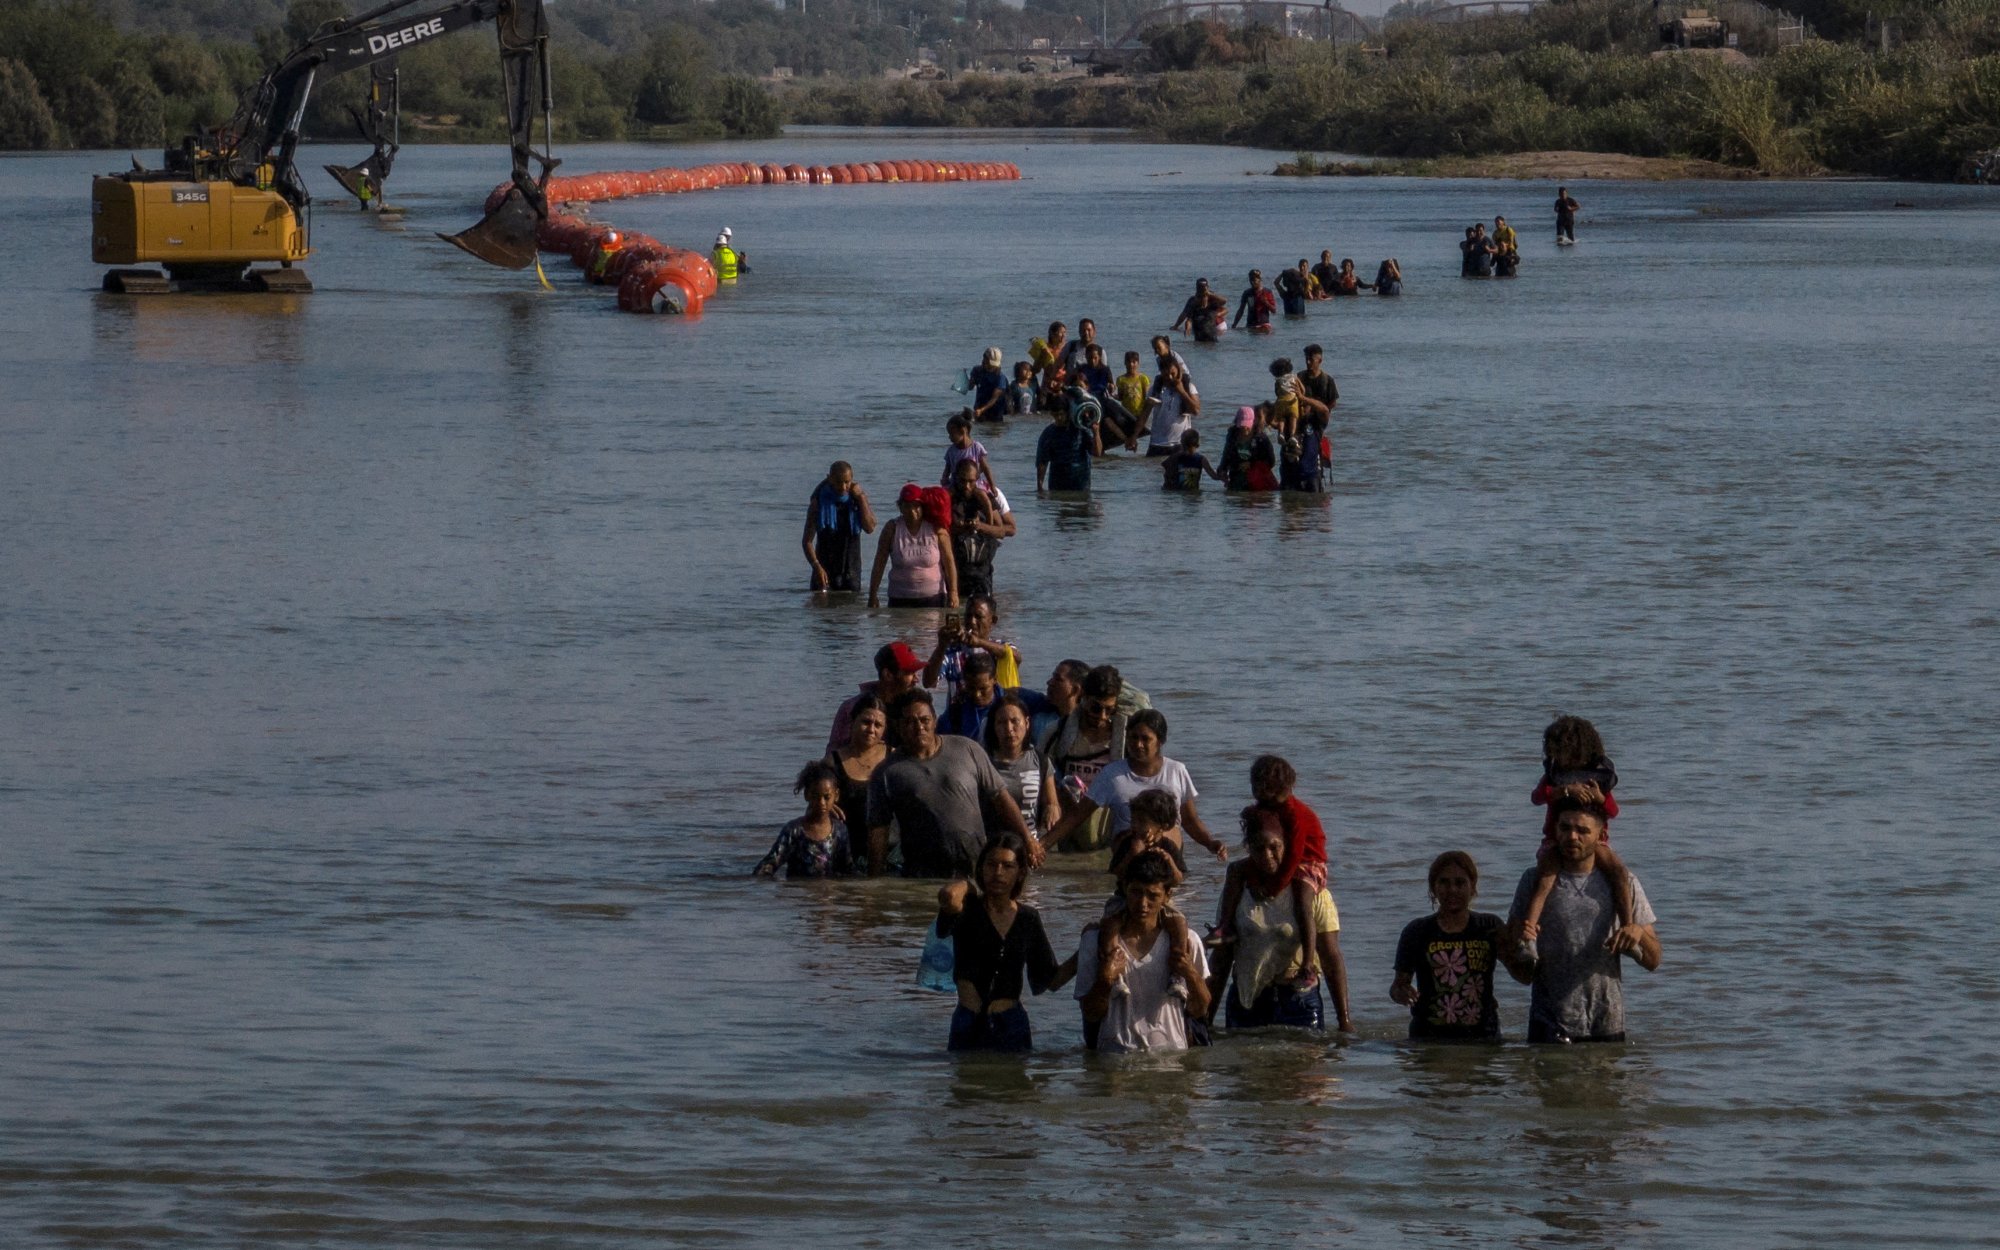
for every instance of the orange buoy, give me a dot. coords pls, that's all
(656, 288)
(652, 276)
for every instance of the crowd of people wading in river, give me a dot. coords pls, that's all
(981, 787)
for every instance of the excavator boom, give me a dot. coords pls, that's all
(505, 236)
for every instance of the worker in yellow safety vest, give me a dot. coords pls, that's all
(727, 263)
(600, 260)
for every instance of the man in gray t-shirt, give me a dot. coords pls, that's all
(1574, 964)
(938, 791)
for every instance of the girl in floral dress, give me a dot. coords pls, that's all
(814, 845)
(1445, 961)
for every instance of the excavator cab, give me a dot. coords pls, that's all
(206, 235)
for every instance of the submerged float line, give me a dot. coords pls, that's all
(652, 276)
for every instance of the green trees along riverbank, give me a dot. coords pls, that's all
(71, 78)
(1574, 75)
(1582, 76)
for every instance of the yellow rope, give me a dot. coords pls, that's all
(539, 274)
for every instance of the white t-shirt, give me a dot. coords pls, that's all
(1118, 785)
(1145, 1013)
(1169, 422)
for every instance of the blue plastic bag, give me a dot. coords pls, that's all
(934, 973)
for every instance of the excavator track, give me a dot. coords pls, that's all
(252, 282)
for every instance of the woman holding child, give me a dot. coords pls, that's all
(1269, 986)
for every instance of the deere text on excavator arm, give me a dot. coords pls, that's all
(233, 197)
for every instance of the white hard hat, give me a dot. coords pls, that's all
(726, 232)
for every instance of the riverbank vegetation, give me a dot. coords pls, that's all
(1914, 99)
(142, 73)
(1582, 76)
(73, 77)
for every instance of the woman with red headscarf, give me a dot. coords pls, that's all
(914, 553)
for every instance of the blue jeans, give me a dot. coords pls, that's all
(1002, 1031)
(1279, 1005)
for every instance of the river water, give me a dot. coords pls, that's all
(400, 681)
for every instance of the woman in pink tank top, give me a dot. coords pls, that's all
(921, 573)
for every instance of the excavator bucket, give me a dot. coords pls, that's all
(505, 236)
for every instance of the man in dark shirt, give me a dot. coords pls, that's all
(942, 793)
(1326, 272)
(1565, 216)
(1063, 453)
(1291, 287)
(837, 515)
(989, 387)
(1482, 261)
(1203, 313)
(1318, 395)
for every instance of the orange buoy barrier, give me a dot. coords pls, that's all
(652, 276)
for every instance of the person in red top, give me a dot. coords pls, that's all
(1304, 869)
(1259, 301)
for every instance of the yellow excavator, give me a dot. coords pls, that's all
(232, 198)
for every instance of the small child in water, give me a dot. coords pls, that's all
(816, 844)
(1304, 870)
(1573, 758)
(1019, 399)
(964, 447)
(1095, 374)
(1131, 387)
(1155, 827)
(1184, 469)
(1282, 413)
